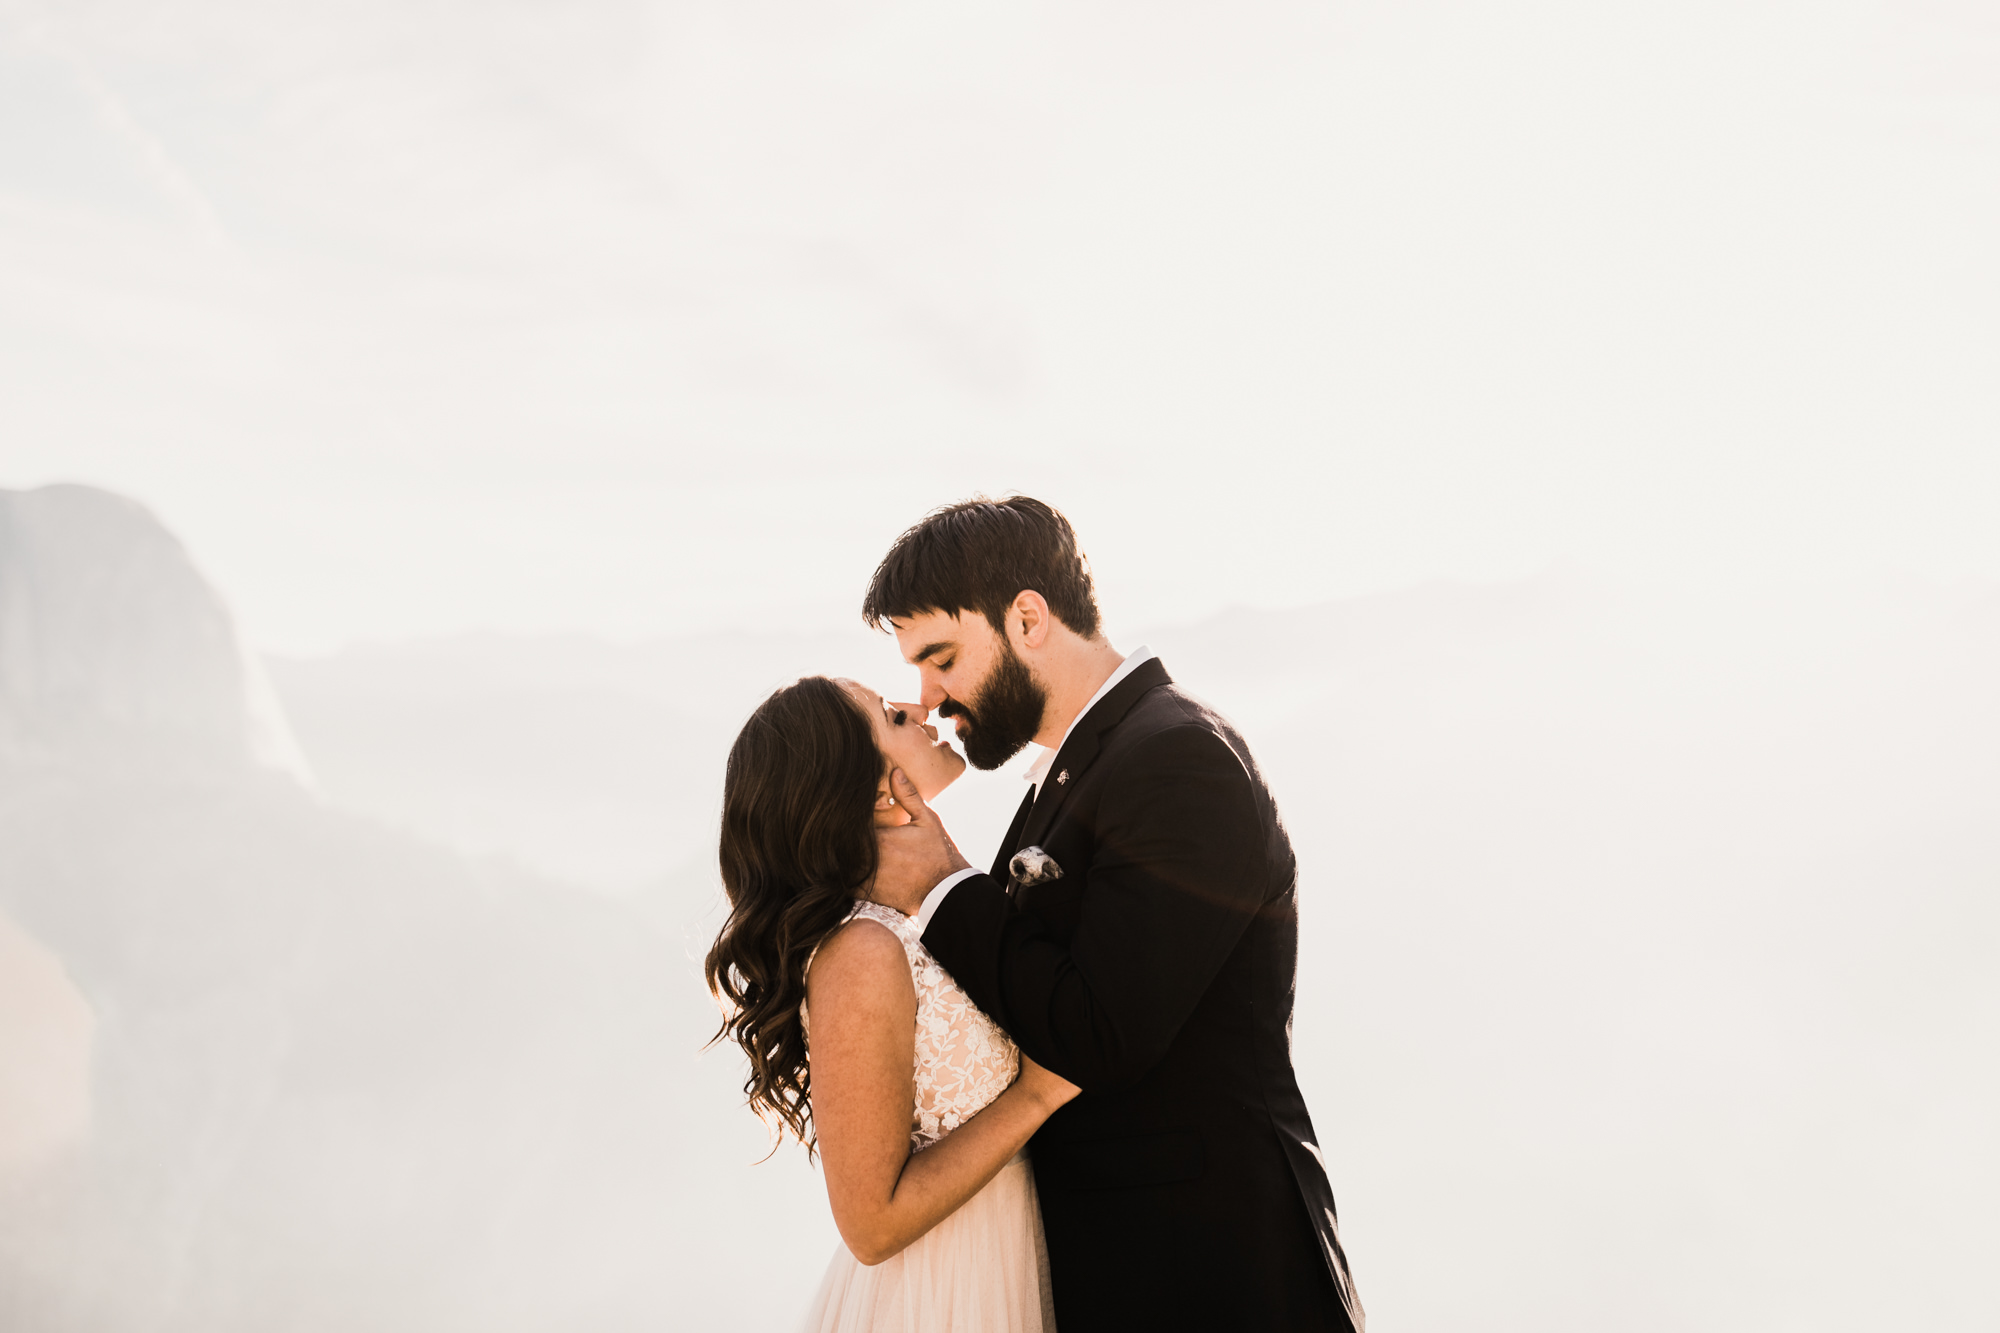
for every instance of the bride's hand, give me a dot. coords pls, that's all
(1052, 1090)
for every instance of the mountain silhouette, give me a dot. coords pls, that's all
(340, 1077)
(112, 646)
(1645, 957)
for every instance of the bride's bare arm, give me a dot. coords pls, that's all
(864, 1032)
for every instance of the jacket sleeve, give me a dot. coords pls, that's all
(1178, 874)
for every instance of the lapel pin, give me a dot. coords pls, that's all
(1062, 777)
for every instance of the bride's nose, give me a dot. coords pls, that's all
(917, 713)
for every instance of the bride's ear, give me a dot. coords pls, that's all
(888, 811)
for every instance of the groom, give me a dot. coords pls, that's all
(1143, 944)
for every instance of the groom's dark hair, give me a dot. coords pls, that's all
(979, 555)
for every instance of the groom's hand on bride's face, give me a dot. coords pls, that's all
(913, 858)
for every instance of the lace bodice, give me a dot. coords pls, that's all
(963, 1060)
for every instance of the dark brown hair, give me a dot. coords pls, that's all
(979, 555)
(798, 841)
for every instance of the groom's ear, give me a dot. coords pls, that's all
(1028, 620)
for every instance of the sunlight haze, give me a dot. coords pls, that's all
(1562, 437)
(595, 316)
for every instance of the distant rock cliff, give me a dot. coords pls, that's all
(273, 1065)
(1660, 927)
(114, 648)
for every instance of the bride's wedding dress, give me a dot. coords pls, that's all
(984, 1268)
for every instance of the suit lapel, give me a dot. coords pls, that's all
(1082, 746)
(1011, 843)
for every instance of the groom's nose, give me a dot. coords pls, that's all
(933, 692)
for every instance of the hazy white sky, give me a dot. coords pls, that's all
(633, 317)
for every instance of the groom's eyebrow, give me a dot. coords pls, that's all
(930, 650)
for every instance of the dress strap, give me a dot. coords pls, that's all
(904, 928)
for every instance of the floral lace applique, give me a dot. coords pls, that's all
(963, 1060)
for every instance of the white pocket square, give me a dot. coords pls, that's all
(1032, 865)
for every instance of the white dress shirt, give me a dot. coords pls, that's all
(1037, 773)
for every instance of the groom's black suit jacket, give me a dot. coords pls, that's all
(1184, 1188)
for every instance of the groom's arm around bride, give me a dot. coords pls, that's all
(1147, 952)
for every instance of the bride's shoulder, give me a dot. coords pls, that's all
(863, 956)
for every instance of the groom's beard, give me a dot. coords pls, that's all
(995, 723)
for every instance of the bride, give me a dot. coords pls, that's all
(918, 1106)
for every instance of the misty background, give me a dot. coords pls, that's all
(1562, 439)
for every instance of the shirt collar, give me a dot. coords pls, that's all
(1039, 770)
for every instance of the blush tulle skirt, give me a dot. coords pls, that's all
(984, 1269)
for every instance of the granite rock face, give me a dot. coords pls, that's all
(338, 1077)
(113, 648)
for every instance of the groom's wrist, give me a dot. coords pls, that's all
(935, 898)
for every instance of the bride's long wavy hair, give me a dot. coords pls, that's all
(798, 841)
